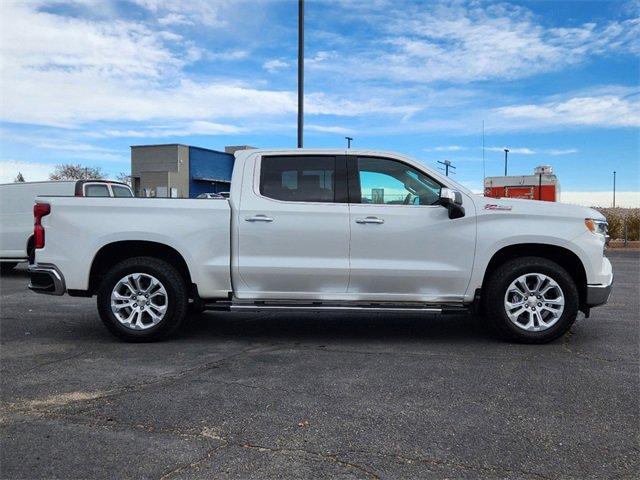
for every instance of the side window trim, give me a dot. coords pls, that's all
(355, 192)
(340, 183)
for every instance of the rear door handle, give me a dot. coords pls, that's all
(259, 218)
(375, 220)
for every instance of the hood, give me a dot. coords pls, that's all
(517, 206)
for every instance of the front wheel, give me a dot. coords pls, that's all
(531, 300)
(143, 299)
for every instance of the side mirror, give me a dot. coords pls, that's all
(452, 201)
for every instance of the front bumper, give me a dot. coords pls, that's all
(598, 294)
(47, 279)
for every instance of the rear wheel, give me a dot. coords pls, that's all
(143, 299)
(531, 300)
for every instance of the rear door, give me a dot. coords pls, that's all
(293, 228)
(404, 246)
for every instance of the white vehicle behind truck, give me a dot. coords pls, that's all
(325, 230)
(16, 211)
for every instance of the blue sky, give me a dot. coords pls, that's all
(556, 82)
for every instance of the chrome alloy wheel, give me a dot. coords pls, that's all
(139, 301)
(534, 302)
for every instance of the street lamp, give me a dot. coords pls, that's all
(506, 152)
(349, 140)
(614, 189)
(300, 72)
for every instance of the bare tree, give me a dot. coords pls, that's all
(69, 171)
(19, 178)
(124, 178)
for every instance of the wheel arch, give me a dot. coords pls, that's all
(115, 252)
(560, 255)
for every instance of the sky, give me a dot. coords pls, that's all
(555, 82)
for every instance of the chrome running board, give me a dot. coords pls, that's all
(337, 308)
(332, 306)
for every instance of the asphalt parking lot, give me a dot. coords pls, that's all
(317, 395)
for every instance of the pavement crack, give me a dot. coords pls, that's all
(324, 456)
(56, 361)
(191, 465)
(445, 463)
(62, 400)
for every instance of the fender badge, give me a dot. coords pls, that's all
(495, 206)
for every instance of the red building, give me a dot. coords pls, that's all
(542, 185)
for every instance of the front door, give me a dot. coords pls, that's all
(404, 247)
(293, 229)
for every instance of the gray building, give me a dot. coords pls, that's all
(180, 171)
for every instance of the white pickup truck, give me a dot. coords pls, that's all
(325, 230)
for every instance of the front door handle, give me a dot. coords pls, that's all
(259, 218)
(375, 220)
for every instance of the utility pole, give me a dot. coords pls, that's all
(447, 165)
(484, 169)
(300, 72)
(614, 189)
(506, 152)
(349, 139)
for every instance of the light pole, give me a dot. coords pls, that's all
(300, 72)
(349, 140)
(614, 189)
(506, 152)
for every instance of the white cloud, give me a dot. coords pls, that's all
(516, 150)
(608, 110)
(68, 71)
(328, 129)
(175, 19)
(193, 128)
(445, 148)
(180, 12)
(229, 55)
(275, 65)
(561, 151)
(32, 171)
(470, 41)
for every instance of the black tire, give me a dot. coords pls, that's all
(177, 299)
(494, 296)
(7, 267)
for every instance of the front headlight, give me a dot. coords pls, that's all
(599, 227)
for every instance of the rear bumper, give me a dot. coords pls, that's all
(598, 294)
(47, 279)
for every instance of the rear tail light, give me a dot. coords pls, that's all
(39, 210)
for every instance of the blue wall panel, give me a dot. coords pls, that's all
(208, 164)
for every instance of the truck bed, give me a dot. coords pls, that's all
(198, 229)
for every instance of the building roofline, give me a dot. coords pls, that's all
(160, 145)
(178, 145)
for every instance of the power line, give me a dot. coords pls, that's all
(447, 165)
(484, 168)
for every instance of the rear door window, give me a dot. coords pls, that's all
(120, 191)
(301, 178)
(96, 190)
